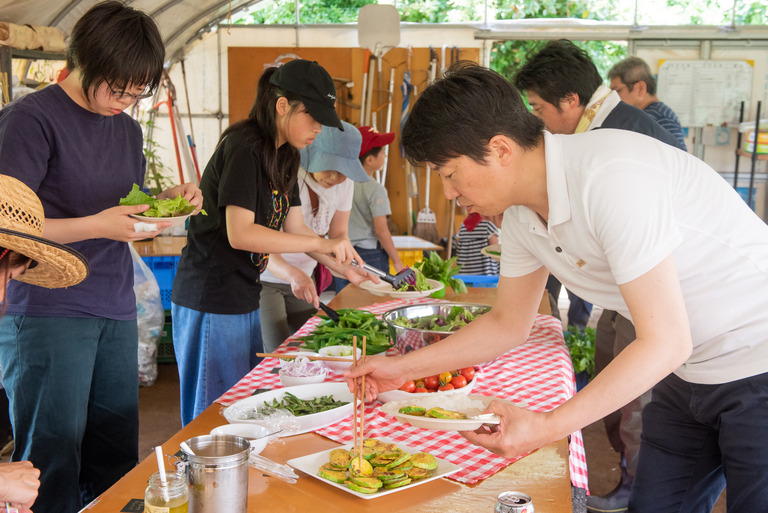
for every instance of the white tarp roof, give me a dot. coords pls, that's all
(179, 20)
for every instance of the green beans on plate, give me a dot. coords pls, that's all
(352, 323)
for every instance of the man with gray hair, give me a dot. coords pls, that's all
(633, 81)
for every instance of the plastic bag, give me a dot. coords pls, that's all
(150, 318)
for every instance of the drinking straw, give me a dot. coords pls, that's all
(161, 469)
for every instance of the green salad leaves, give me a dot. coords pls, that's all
(175, 207)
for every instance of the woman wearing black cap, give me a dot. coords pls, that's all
(252, 200)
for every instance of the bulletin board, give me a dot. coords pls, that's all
(705, 92)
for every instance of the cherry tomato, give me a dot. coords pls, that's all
(420, 383)
(459, 381)
(445, 378)
(432, 382)
(443, 388)
(420, 390)
(469, 373)
(408, 386)
(455, 372)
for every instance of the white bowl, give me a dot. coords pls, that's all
(335, 351)
(291, 381)
(248, 431)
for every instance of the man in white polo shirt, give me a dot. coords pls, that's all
(630, 224)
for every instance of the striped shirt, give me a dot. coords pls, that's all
(468, 245)
(667, 118)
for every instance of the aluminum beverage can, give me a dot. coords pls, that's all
(513, 502)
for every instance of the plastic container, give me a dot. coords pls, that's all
(171, 497)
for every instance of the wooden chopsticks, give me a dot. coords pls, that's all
(308, 356)
(359, 421)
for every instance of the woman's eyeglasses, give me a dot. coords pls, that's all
(121, 95)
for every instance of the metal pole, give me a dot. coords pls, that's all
(738, 146)
(754, 155)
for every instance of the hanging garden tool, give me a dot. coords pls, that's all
(191, 135)
(378, 30)
(426, 221)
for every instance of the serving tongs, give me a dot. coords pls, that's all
(330, 312)
(405, 277)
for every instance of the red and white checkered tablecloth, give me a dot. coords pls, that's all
(538, 372)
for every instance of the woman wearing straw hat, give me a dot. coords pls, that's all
(27, 257)
(70, 355)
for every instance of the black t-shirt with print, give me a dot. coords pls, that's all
(212, 276)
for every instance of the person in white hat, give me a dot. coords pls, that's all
(28, 257)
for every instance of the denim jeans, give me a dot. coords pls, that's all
(213, 352)
(377, 258)
(698, 438)
(578, 309)
(73, 388)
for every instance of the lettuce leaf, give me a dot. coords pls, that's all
(171, 207)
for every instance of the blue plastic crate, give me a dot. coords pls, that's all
(479, 280)
(164, 269)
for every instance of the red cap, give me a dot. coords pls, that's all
(373, 139)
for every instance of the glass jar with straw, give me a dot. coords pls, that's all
(167, 492)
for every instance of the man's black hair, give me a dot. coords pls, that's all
(118, 44)
(558, 69)
(460, 113)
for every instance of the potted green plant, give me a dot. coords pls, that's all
(581, 345)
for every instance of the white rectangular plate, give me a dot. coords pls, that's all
(311, 464)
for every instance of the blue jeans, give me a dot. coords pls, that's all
(213, 352)
(578, 310)
(73, 388)
(377, 258)
(696, 435)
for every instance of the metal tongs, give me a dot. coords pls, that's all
(405, 277)
(272, 468)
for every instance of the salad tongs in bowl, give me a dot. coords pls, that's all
(405, 277)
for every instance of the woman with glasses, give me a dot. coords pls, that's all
(71, 354)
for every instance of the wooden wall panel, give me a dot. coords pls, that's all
(346, 65)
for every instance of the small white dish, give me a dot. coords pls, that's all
(177, 220)
(385, 289)
(254, 433)
(335, 351)
(491, 252)
(449, 403)
(292, 381)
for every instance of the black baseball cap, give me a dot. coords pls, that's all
(314, 85)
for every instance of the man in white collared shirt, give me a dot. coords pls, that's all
(616, 217)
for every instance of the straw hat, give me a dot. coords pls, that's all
(21, 227)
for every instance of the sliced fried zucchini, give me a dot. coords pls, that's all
(361, 489)
(378, 461)
(399, 461)
(385, 476)
(368, 453)
(424, 460)
(360, 467)
(337, 476)
(413, 410)
(397, 484)
(368, 482)
(340, 458)
(417, 473)
(442, 413)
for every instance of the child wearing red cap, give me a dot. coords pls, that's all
(368, 228)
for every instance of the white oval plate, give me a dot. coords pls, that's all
(309, 465)
(385, 289)
(306, 423)
(154, 220)
(400, 395)
(430, 401)
(492, 247)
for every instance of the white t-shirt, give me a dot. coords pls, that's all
(619, 204)
(336, 198)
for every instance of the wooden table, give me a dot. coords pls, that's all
(413, 243)
(543, 474)
(160, 246)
